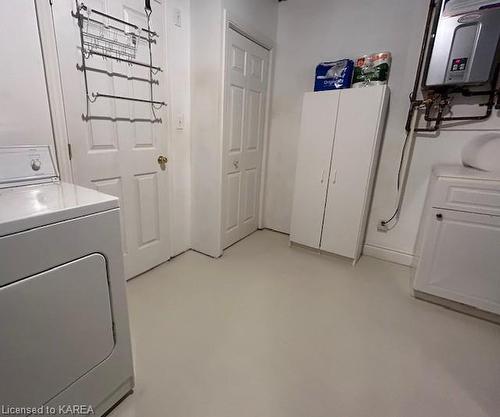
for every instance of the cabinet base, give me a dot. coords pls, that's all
(322, 252)
(456, 306)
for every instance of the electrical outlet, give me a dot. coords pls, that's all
(382, 227)
(178, 18)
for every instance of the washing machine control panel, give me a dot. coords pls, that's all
(23, 164)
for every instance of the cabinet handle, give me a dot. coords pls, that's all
(323, 172)
(439, 216)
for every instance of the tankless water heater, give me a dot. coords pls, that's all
(465, 45)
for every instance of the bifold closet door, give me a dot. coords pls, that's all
(319, 113)
(355, 155)
(247, 65)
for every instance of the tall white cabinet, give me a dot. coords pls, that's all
(338, 154)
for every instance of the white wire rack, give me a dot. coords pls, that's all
(110, 37)
(109, 40)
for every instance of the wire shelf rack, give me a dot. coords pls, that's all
(108, 40)
(110, 37)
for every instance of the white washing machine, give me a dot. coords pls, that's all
(65, 338)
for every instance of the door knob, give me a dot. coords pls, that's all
(162, 160)
(236, 164)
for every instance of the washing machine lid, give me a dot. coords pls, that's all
(27, 207)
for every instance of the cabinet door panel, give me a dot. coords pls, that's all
(460, 259)
(355, 155)
(319, 115)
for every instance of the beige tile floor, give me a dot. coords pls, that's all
(273, 331)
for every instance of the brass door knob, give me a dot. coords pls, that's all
(162, 161)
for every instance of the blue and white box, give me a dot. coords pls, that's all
(334, 75)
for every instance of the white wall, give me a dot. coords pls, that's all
(347, 28)
(179, 152)
(205, 158)
(206, 107)
(261, 16)
(24, 108)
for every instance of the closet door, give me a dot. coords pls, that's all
(319, 114)
(355, 155)
(244, 115)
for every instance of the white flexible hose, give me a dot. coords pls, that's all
(405, 168)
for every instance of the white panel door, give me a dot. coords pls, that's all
(355, 156)
(116, 149)
(317, 131)
(460, 259)
(245, 103)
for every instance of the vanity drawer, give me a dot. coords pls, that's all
(468, 195)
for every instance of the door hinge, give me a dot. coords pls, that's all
(70, 152)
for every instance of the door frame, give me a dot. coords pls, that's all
(62, 143)
(232, 22)
(50, 59)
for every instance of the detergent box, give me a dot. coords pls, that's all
(334, 75)
(372, 69)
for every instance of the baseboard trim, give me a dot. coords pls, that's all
(387, 254)
(275, 230)
(456, 306)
